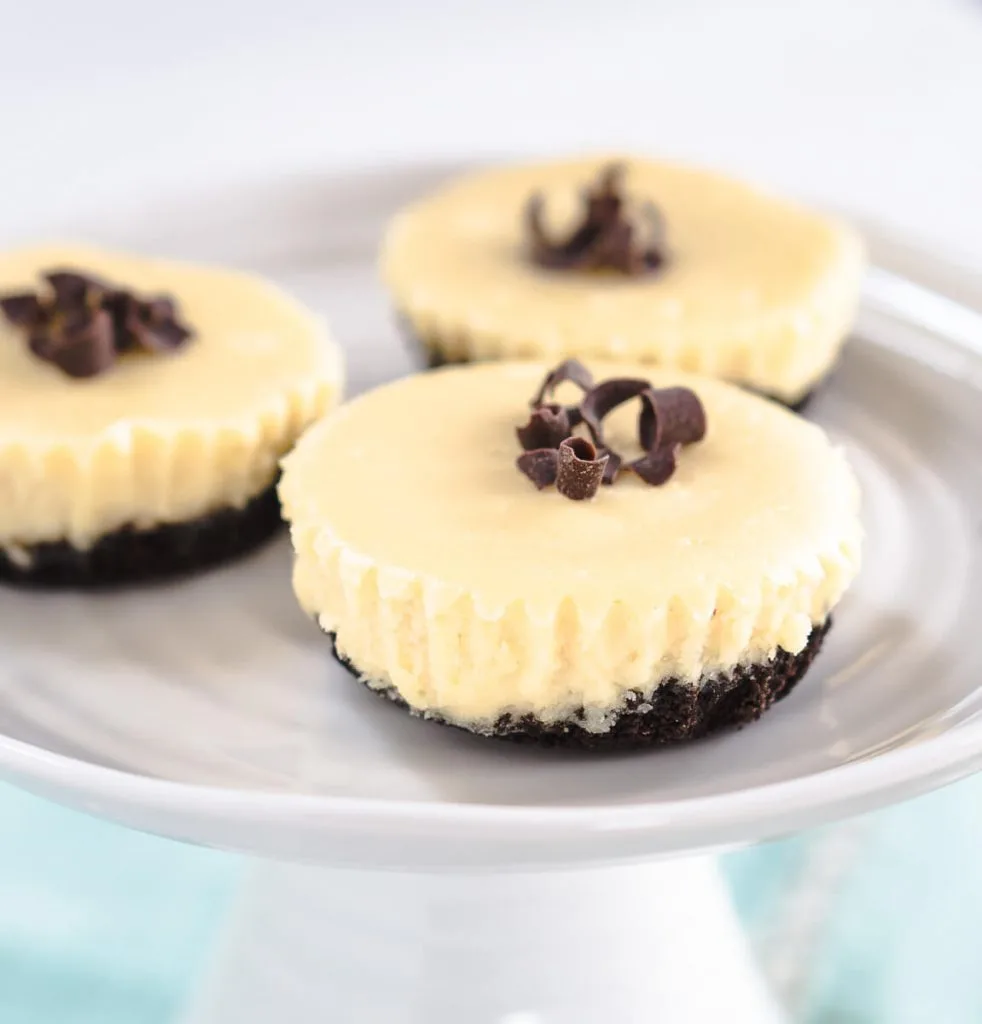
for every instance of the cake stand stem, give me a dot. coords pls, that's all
(632, 945)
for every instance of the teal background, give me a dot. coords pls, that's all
(98, 924)
(876, 921)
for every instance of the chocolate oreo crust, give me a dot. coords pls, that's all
(129, 555)
(677, 711)
(434, 359)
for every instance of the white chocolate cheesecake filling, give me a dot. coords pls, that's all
(755, 289)
(159, 438)
(446, 576)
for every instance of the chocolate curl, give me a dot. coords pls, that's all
(670, 416)
(83, 323)
(163, 329)
(23, 310)
(606, 239)
(150, 325)
(657, 466)
(614, 463)
(580, 470)
(83, 345)
(72, 289)
(605, 398)
(569, 370)
(600, 401)
(540, 466)
(548, 427)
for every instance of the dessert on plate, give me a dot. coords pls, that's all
(144, 407)
(596, 555)
(626, 259)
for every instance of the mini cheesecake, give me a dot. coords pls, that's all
(598, 556)
(144, 407)
(627, 259)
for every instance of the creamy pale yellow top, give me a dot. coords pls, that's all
(446, 575)
(756, 289)
(164, 437)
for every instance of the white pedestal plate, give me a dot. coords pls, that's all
(410, 874)
(617, 944)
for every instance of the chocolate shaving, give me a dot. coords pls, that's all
(599, 402)
(162, 328)
(614, 463)
(607, 239)
(548, 427)
(72, 289)
(571, 370)
(22, 310)
(657, 466)
(605, 398)
(85, 345)
(669, 418)
(540, 466)
(580, 470)
(82, 324)
(150, 325)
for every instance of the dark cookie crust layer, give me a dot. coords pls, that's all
(434, 359)
(134, 556)
(676, 711)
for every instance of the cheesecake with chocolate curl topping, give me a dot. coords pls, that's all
(631, 259)
(144, 407)
(510, 603)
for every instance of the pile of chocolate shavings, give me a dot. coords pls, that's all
(81, 324)
(608, 238)
(553, 454)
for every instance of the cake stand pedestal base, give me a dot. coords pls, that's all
(631, 945)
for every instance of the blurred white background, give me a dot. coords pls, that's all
(867, 104)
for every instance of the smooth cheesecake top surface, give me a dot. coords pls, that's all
(420, 476)
(754, 287)
(251, 343)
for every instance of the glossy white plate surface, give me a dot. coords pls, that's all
(212, 711)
